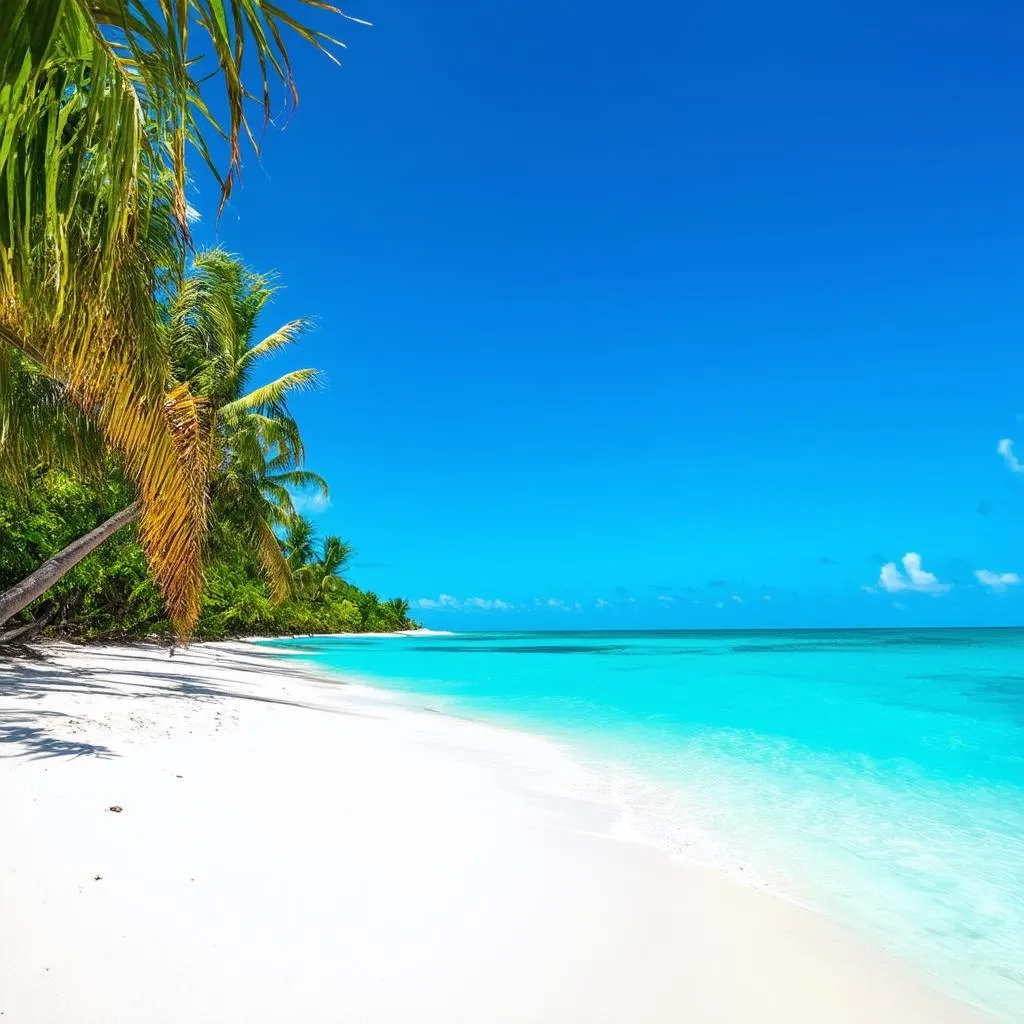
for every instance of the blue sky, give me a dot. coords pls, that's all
(661, 316)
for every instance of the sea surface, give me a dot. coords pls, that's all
(876, 775)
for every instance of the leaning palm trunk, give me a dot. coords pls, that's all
(22, 594)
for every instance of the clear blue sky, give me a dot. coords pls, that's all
(660, 307)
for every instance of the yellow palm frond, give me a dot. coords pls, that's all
(286, 334)
(275, 565)
(164, 441)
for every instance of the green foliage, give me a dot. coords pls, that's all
(265, 572)
(110, 594)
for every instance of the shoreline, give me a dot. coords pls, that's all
(294, 848)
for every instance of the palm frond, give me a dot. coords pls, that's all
(275, 565)
(168, 451)
(40, 427)
(299, 542)
(109, 359)
(285, 335)
(105, 90)
(301, 480)
(273, 396)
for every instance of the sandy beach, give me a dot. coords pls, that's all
(223, 836)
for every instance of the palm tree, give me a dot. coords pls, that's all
(213, 321)
(253, 492)
(299, 543)
(253, 447)
(260, 454)
(112, 348)
(369, 611)
(398, 607)
(325, 575)
(97, 101)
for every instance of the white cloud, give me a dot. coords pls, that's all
(868, 590)
(449, 601)
(1005, 448)
(998, 581)
(577, 606)
(737, 598)
(443, 601)
(916, 579)
(665, 599)
(602, 603)
(632, 600)
(315, 502)
(551, 602)
(719, 604)
(767, 597)
(488, 603)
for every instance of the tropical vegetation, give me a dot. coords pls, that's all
(147, 478)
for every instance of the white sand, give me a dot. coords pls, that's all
(290, 850)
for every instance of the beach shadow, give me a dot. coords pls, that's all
(130, 674)
(33, 741)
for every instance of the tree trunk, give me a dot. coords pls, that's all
(27, 630)
(22, 594)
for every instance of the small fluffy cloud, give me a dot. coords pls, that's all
(488, 603)
(602, 603)
(1005, 448)
(666, 599)
(450, 601)
(916, 579)
(998, 581)
(443, 601)
(766, 597)
(719, 604)
(737, 598)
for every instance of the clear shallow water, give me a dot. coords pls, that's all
(877, 775)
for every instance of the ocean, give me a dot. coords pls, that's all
(875, 775)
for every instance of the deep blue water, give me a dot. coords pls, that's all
(877, 775)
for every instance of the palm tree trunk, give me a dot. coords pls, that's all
(22, 594)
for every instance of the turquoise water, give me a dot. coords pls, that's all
(877, 775)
